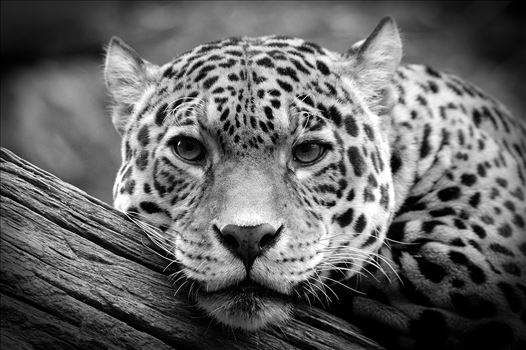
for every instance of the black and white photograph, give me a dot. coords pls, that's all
(267, 175)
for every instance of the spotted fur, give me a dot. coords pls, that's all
(415, 214)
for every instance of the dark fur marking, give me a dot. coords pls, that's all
(346, 218)
(351, 126)
(142, 160)
(360, 224)
(368, 131)
(505, 230)
(225, 114)
(265, 62)
(468, 179)
(512, 269)
(449, 193)
(433, 272)
(143, 136)
(476, 273)
(497, 248)
(356, 160)
(396, 231)
(479, 231)
(322, 67)
(396, 162)
(474, 200)
(268, 112)
(285, 86)
(150, 207)
(160, 115)
(425, 147)
(287, 71)
(335, 115)
(442, 212)
(209, 82)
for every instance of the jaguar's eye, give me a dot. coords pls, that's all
(308, 152)
(188, 148)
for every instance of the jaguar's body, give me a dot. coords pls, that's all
(283, 170)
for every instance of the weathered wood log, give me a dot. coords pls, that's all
(77, 274)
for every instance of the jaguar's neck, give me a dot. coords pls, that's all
(413, 122)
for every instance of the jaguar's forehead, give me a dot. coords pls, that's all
(243, 49)
(250, 63)
(253, 83)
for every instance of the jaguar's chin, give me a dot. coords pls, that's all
(246, 306)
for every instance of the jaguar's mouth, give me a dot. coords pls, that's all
(247, 305)
(250, 288)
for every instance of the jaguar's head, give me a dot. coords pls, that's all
(267, 161)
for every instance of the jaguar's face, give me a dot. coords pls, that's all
(269, 170)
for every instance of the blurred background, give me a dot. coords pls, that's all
(54, 108)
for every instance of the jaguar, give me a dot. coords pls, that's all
(284, 173)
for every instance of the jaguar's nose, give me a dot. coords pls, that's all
(247, 242)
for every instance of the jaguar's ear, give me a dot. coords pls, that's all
(374, 60)
(127, 76)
